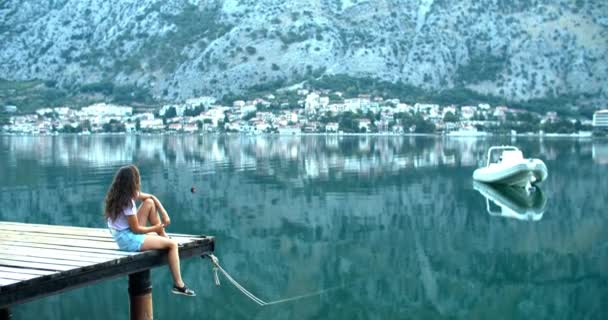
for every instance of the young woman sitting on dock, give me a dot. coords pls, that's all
(128, 224)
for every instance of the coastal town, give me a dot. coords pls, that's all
(301, 111)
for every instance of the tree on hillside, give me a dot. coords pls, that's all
(114, 126)
(450, 117)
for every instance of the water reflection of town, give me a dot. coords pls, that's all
(312, 156)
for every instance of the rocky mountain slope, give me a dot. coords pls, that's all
(175, 49)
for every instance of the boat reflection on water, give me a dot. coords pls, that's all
(512, 202)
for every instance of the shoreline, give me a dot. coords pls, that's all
(229, 134)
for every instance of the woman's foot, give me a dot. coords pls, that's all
(183, 291)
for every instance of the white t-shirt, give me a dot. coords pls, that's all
(122, 222)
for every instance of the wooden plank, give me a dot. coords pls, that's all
(59, 235)
(56, 254)
(6, 282)
(39, 266)
(17, 276)
(34, 225)
(92, 233)
(26, 271)
(63, 242)
(21, 244)
(73, 263)
(59, 251)
(26, 234)
(76, 230)
(72, 241)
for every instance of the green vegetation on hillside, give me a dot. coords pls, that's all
(481, 68)
(128, 94)
(31, 95)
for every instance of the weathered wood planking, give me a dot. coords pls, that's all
(39, 260)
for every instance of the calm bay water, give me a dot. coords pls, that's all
(389, 227)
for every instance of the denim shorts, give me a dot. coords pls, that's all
(127, 240)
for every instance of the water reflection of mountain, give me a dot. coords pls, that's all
(412, 242)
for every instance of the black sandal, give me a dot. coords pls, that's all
(183, 291)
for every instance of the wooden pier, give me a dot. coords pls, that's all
(40, 260)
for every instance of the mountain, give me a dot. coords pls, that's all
(517, 50)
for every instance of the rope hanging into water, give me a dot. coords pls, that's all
(260, 302)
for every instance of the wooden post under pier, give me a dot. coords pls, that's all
(140, 296)
(5, 314)
(41, 260)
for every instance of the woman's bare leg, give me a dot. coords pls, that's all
(147, 212)
(155, 242)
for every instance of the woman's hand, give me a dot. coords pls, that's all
(159, 228)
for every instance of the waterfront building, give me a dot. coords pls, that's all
(175, 126)
(600, 119)
(468, 112)
(130, 127)
(190, 127)
(364, 125)
(153, 124)
(332, 127)
(550, 117)
(289, 130)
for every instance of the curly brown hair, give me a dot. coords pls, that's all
(123, 189)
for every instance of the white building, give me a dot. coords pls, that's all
(324, 101)
(43, 111)
(238, 104)
(468, 112)
(154, 124)
(332, 127)
(600, 119)
(312, 103)
(144, 116)
(179, 109)
(63, 111)
(108, 110)
(352, 104)
(10, 109)
(364, 124)
(289, 130)
(204, 102)
(403, 107)
(130, 127)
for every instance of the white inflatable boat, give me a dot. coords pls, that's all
(511, 169)
(511, 202)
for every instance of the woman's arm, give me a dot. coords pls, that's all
(163, 213)
(136, 228)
